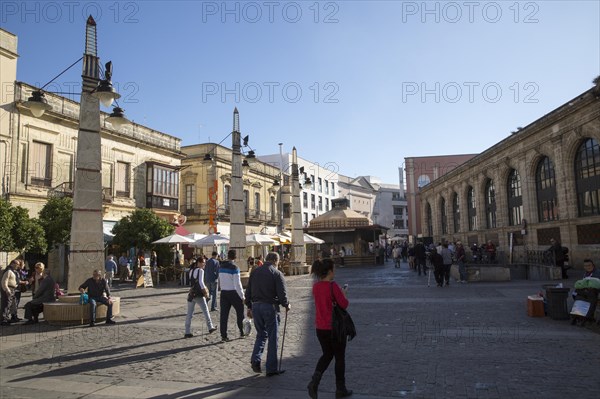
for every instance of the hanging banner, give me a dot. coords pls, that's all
(212, 207)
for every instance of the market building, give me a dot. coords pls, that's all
(539, 183)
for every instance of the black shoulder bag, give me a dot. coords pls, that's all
(342, 326)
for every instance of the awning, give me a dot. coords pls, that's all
(181, 231)
(107, 226)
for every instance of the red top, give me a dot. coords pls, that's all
(323, 302)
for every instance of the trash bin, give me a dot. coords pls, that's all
(557, 302)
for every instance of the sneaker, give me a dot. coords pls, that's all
(92, 324)
(256, 368)
(274, 373)
(188, 335)
(212, 330)
(110, 321)
(30, 321)
(225, 339)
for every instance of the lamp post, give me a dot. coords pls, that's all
(87, 239)
(298, 255)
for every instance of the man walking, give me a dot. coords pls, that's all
(420, 257)
(211, 278)
(110, 268)
(447, 261)
(232, 294)
(460, 260)
(265, 292)
(396, 254)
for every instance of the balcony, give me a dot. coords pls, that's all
(200, 212)
(66, 190)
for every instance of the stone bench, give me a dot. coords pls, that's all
(68, 311)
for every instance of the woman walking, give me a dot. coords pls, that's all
(323, 289)
(197, 277)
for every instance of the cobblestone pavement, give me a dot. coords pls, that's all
(464, 341)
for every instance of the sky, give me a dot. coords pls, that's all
(357, 84)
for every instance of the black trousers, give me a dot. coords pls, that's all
(32, 311)
(447, 272)
(229, 299)
(438, 272)
(332, 349)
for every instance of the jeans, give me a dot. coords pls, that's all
(109, 278)
(201, 301)
(397, 262)
(212, 290)
(8, 305)
(102, 300)
(229, 299)
(330, 350)
(266, 320)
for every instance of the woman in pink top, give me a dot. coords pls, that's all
(324, 271)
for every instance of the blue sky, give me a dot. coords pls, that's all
(362, 84)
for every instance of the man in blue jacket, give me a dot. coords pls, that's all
(266, 291)
(211, 278)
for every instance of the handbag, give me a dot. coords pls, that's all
(195, 290)
(342, 326)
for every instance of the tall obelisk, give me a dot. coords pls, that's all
(87, 239)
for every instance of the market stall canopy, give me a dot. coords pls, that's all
(308, 239)
(174, 239)
(281, 239)
(212, 239)
(196, 236)
(259, 239)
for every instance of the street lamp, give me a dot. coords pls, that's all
(298, 258)
(87, 239)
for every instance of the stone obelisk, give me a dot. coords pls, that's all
(237, 221)
(87, 239)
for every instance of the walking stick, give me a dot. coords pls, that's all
(283, 339)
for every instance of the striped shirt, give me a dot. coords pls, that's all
(229, 278)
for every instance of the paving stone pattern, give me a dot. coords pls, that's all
(463, 341)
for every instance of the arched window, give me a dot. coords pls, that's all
(443, 214)
(545, 184)
(515, 198)
(423, 180)
(490, 204)
(471, 209)
(587, 178)
(455, 213)
(429, 221)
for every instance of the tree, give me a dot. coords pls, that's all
(55, 218)
(6, 226)
(18, 232)
(140, 229)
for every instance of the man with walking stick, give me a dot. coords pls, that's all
(265, 292)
